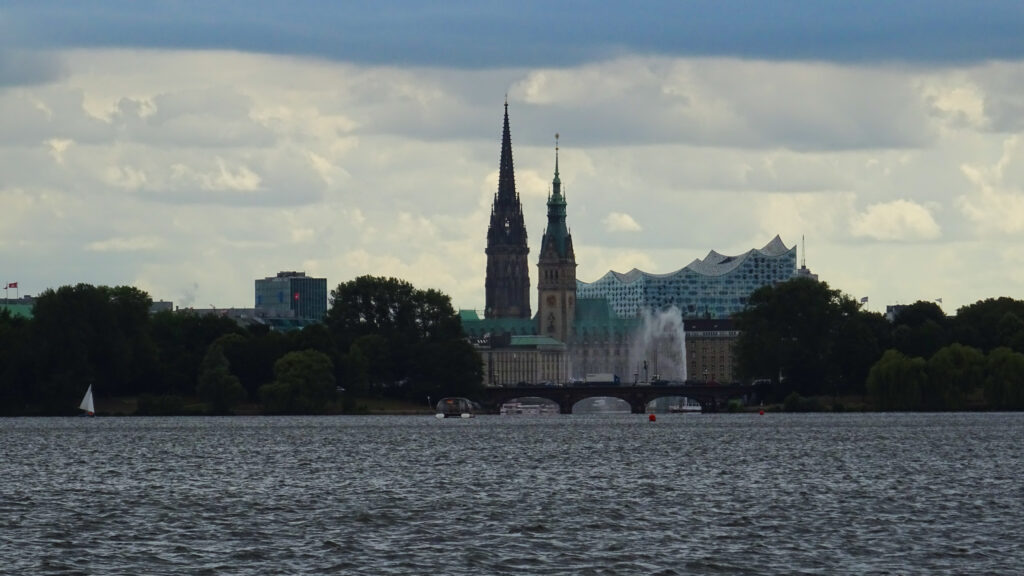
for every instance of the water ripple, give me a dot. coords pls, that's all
(729, 494)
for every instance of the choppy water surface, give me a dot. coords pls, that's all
(688, 494)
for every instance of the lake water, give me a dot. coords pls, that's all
(688, 494)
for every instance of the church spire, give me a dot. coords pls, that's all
(508, 278)
(506, 171)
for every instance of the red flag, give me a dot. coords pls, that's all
(296, 296)
(12, 285)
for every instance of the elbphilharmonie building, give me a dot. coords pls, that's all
(714, 287)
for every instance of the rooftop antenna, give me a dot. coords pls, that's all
(803, 252)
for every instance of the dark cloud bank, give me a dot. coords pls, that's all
(476, 34)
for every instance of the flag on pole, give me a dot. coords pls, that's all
(864, 300)
(12, 285)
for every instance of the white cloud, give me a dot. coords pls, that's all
(192, 173)
(900, 220)
(995, 205)
(956, 99)
(135, 244)
(57, 148)
(125, 177)
(239, 178)
(619, 222)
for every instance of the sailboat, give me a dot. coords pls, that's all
(86, 404)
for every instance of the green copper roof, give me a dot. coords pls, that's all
(536, 341)
(477, 328)
(557, 233)
(594, 317)
(18, 310)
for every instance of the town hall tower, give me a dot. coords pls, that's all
(556, 282)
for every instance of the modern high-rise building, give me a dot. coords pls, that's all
(291, 295)
(716, 287)
(508, 277)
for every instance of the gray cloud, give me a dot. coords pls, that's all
(487, 34)
(31, 118)
(21, 67)
(209, 118)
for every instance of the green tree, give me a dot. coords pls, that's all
(857, 343)
(252, 358)
(794, 332)
(16, 370)
(86, 334)
(989, 324)
(357, 372)
(375, 350)
(954, 373)
(304, 383)
(182, 340)
(391, 322)
(895, 381)
(920, 329)
(1004, 385)
(452, 368)
(218, 387)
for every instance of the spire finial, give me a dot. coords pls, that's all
(556, 154)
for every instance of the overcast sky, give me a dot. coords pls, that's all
(188, 148)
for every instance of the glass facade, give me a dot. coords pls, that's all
(715, 287)
(292, 295)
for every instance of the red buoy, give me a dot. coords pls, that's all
(761, 412)
(652, 417)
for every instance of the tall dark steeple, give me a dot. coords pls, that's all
(508, 275)
(556, 282)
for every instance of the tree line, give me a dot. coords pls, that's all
(381, 337)
(811, 341)
(384, 338)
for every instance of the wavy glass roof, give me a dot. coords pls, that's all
(716, 286)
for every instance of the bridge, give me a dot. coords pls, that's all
(710, 396)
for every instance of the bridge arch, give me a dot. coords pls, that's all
(710, 396)
(594, 404)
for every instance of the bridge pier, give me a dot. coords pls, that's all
(638, 405)
(565, 404)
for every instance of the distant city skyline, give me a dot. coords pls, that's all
(188, 149)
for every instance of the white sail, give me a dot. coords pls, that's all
(87, 402)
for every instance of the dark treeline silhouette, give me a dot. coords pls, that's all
(381, 338)
(384, 338)
(812, 341)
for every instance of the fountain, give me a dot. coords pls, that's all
(658, 348)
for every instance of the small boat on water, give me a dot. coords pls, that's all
(87, 404)
(455, 407)
(520, 408)
(685, 405)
